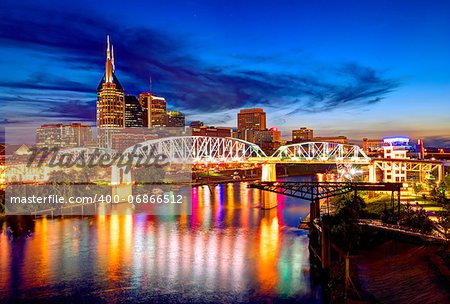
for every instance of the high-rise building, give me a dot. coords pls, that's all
(133, 112)
(174, 119)
(268, 140)
(254, 119)
(61, 135)
(153, 109)
(110, 100)
(302, 135)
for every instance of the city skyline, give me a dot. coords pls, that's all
(373, 83)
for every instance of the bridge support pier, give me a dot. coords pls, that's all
(269, 173)
(121, 182)
(440, 174)
(372, 173)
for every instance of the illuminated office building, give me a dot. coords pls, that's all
(174, 119)
(64, 136)
(268, 140)
(373, 147)
(110, 101)
(302, 135)
(153, 110)
(133, 112)
(249, 121)
(254, 119)
(212, 131)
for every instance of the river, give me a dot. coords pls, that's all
(228, 250)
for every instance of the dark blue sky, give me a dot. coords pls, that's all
(355, 68)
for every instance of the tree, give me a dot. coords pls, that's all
(348, 200)
(438, 193)
(443, 218)
(344, 226)
(417, 188)
(416, 218)
(447, 182)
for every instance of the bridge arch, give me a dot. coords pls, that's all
(198, 149)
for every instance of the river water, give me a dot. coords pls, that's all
(228, 250)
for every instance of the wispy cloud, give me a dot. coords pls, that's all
(189, 83)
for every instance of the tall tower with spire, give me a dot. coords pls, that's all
(110, 100)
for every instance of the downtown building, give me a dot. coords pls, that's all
(268, 140)
(302, 135)
(153, 110)
(133, 112)
(174, 119)
(250, 121)
(110, 102)
(116, 111)
(212, 131)
(64, 136)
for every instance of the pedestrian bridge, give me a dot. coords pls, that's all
(219, 150)
(198, 150)
(205, 150)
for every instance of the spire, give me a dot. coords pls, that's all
(109, 76)
(109, 67)
(108, 54)
(112, 59)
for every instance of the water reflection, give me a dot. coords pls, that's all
(227, 250)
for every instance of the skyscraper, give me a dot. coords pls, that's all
(254, 119)
(110, 100)
(133, 112)
(249, 121)
(153, 109)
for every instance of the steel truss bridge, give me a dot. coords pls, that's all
(218, 150)
(320, 152)
(215, 150)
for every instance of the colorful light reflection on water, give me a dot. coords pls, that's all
(228, 250)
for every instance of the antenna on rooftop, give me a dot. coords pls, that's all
(150, 84)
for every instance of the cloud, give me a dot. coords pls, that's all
(188, 82)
